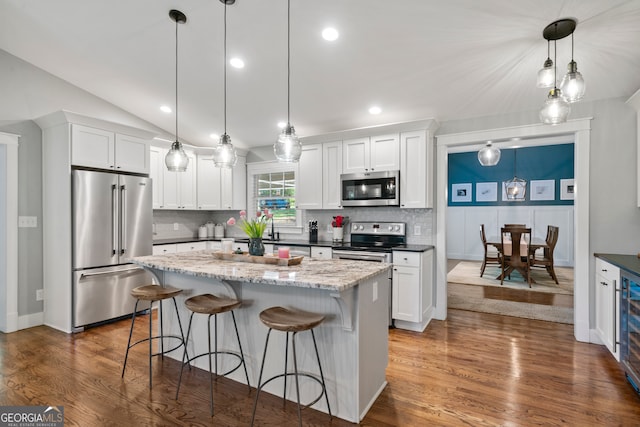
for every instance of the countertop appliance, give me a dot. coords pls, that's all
(630, 328)
(373, 241)
(112, 221)
(370, 189)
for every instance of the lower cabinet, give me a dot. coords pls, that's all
(164, 249)
(608, 305)
(412, 289)
(321, 252)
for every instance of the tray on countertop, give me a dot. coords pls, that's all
(266, 259)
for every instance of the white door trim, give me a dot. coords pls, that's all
(581, 130)
(9, 227)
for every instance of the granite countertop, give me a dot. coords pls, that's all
(630, 263)
(331, 274)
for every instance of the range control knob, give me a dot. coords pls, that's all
(354, 227)
(397, 228)
(391, 228)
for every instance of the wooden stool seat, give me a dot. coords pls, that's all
(154, 292)
(286, 320)
(211, 304)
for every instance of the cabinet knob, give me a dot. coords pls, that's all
(604, 269)
(604, 283)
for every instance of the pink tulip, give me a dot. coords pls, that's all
(243, 213)
(231, 221)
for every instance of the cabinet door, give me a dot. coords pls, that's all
(405, 303)
(170, 188)
(131, 154)
(607, 307)
(208, 184)
(156, 165)
(233, 191)
(415, 171)
(92, 147)
(308, 181)
(355, 155)
(331, 170)
(385, 153)
(187, 184)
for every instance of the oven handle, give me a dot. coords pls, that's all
(359, 257)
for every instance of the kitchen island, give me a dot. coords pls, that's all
(353, 339)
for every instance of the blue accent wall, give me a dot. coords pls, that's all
(533, 163)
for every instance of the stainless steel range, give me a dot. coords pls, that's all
(373, 241)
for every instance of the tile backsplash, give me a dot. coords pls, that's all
(189, 221)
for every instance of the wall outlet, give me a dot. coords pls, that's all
(39, 294)
(416, 230)
(176, 226)
(27, 221)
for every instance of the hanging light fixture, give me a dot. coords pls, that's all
(176, 159)
(556, 108)
(515, 188)
(288, 147)
(572, 83)
(224, 154)
(489, 155)
(546, 74)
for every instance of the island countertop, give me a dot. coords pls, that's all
(329, 274)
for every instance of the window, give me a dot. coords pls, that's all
(273, 187)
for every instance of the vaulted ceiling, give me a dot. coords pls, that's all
(415, 59)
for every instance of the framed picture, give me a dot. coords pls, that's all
(460, 192)
(542, 190)
(486, 192)
(566, 189)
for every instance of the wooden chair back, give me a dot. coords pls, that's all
(516, 235)
(515, 225)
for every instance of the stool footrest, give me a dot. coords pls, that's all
(230, 353)
(180, 344)
(300, 374)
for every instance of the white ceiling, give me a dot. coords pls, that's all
(416, 59)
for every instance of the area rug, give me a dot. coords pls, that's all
(545, 300)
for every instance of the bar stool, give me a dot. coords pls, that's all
(286, 320)
(154, 293)
(213, 305)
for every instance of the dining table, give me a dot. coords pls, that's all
(525, 248)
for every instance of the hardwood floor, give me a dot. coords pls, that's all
(474, 369)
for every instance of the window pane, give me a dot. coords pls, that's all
(276, 192)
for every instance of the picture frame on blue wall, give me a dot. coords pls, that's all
(461, 193)
(486, 192)
(542, 190)
(567, 189)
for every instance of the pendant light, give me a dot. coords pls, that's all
(224, 155)
(546, 74)
(288, 147)
(572, 83)
(489, 155)
(515, 188)
(176, 159)
(555, 109)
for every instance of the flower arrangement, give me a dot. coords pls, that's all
(338, 221)
(254, 228)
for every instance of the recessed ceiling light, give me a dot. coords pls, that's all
(281, 125)
(214, 136)
(375, 110)
(165, 109)
(330, 34)
(236, 63)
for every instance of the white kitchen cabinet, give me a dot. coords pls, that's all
(634, 101)
(208, 184)
(412, 289)
(156, 165)
(190, 246)
(103, 149)
(165, 249)
(321, 252)
(608, 305)
(179, 188)
(308, 180)
(214, 245)
(233, 190)
(416, 169)
(331, 170)
(370, 154)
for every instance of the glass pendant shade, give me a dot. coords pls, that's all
(515, 188)
(546, 75)
(489, 155)
(555, 109)
(224, 155)
(288, 147)
(176, 159)
(572, 85)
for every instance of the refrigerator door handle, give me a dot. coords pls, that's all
(114, 216)
(123, 220)
(100, 273)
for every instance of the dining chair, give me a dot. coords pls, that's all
(515, 225)
(515, 238)
(546, 259)
(491, 254)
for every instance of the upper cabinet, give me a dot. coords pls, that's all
(179, 188)
(416, 169)
(156, 166)
(103, 149)
(309, 181)
(233, 190)
(634, 101)
(208, 183)
(331, 170)
(376, 153)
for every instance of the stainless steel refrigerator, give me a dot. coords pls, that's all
(112, 221)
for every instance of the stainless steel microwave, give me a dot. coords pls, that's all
(370, 189)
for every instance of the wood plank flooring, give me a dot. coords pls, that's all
(474, 369)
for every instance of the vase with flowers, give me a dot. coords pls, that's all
(254, 229)
(338, 230)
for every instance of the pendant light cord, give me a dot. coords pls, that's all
(225, 68)
(177, 23)
(555, 67)
(288, 63)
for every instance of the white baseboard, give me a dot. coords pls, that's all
(31, 320)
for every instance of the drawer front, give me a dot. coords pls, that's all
(321, 252)
(411, 259)
(606, 270)
(164, 249)
(191, 246)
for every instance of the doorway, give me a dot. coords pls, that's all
(581, 131)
